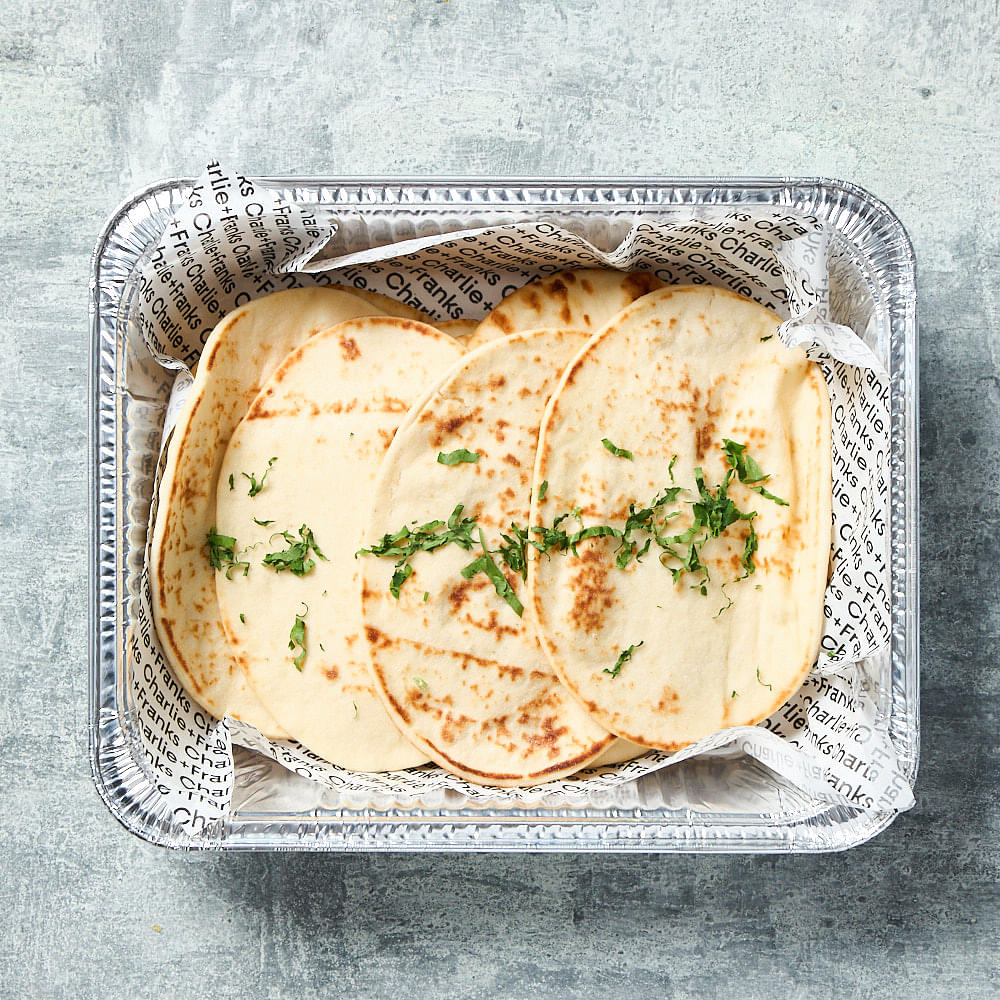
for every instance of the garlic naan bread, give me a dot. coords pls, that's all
(457, 667)
(585, 300)
(313, 441)
(691, 428)
(239, 357)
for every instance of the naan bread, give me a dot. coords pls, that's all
(386, 306)
(675, 374)
(327, 415)
(579, 300)
(459, 671)
(239, 356)
(461, 328)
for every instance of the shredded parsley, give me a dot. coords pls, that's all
(764, 340)
(420, 684)
(222, 553)
(543, 489)
(406, 542)
(623, 657)
(670, 468)
(243, 618)
(232, 482)
(761, 681)
(457, 457)
(263, 524)
(733, 695)
(615, 450)
(485, 564)
(297, 637)
(296, 557)
(747, 470)
(257, 485)
(426, 596)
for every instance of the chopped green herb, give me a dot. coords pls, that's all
(232, 482)
(733, 695)
(670, 468)
(457, 457)
(297, 637)
(747, 469)
(255, 485)
(406, 542)
(623, 657)
(263, 524)
(543, 489)
(764, 340)
(420, 684)
(399, 577)
(615, 450)
(760, 680)
(355, 704)
(222, 553)
(831, 654)
(758, 587)
(426, 596)
(485, 564)
(321, 646)
(296, 557)
(243, 618)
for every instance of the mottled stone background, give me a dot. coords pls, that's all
(100, 97)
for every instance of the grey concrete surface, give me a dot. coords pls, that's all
(101, 96)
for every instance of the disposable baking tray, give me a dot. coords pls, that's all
(873, 288)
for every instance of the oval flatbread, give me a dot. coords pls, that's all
(314, 437)
(386, 306)
(239, 357)
(658, 652)
(457, 667)
(579, 300)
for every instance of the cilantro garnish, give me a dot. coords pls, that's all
(297, 637)
(406, 542)
(764, 340)
(748, 471)
(263, 524)
(623, 657)
(243, 618)
(670, 468)
(762, 682)
(457, 457)
(296, 557)
(222, 553)
(543, 489)
(485, 564)
(255, 485)
(615, 450)
(232, 482)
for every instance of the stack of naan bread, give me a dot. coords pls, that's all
(322, 421)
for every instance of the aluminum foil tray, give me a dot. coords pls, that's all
(723, 802)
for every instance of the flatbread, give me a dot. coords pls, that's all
(327, 415)
(460, 328)
(459, 671)
(239, 356)
(675, 374)
(387, 306)
(585, 299)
